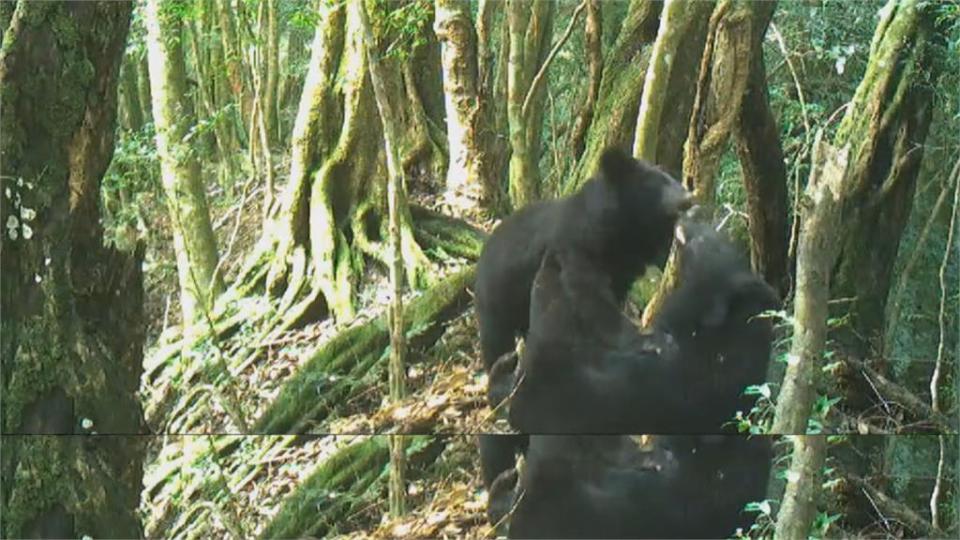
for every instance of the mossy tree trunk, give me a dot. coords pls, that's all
(332, 213)
(682, 24)
(193, 240)
(530, 26)
(73, 332)
(237, 74)
(816, 255)
(469, 178)
(886, 126)
(720, 90)
(803, 487)
(624, 69)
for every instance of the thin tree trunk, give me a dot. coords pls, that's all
(593, 39)
(71, 342)
(131, 96)
(233, 59)
(395, 183)
(816, 254)
(764, 172)
(799, 507)
(194, 243)
(272, 54)
(529, 27)
(143, 88)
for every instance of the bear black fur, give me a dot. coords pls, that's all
(610, 487)
(715, 317)
(587, 369)
(622, 219)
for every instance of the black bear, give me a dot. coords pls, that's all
(587, 369)
(621, 220)
(715, 316)
(600, 486)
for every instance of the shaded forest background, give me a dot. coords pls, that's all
(264, 249)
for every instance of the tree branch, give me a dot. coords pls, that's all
(538, 78)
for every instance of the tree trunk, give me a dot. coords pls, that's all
(593, 38)
(529, 30)
(761, 163)
(272, 53)
(72, 336)
(332, 212)
(681, 24)
(143, 88)
(193, 239)
(236, 74)
(799, 507)
(395, 183)
(816, 254)
(886, 126)
(129, 91)
(468, 176)
(721, 85)
(624, 69)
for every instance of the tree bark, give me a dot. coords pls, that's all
(529, 30)
(593, 38)
(816, 254)
(803, 486)
(624, 69)
(333, 211)
(720, 89)
(681, 24)
(73, 333)
(886, 126)
(193, 240)
(760, 152)
(468, 175)
(133, 109)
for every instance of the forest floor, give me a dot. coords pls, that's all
(446, 396)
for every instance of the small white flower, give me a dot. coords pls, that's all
(46, 262)
(37, 278)
(27, 214)
(27, 232)
(13, 222)
(86, 423)
(20, 182)
(8, 193)
(14, 234)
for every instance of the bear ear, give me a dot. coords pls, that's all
(616, 164)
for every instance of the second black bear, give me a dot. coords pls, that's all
(622, 220)
(610, 487)
(587, 369)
